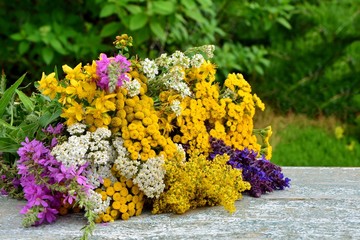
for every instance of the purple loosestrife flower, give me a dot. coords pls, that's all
(81, 179)
(112, 71)
(48, 214)
(40, 172)
(263, 175)
(61, 173)
(54, 130)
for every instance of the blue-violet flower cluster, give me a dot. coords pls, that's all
(263, 175)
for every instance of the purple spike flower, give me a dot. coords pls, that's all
(263, 175)
(112, 71)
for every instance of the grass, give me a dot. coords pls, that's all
(300, 141)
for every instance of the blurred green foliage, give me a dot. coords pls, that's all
(299, 55)
(313, 146)
(315, 67)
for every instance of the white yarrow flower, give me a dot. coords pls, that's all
(197, 60)
(150, 68)
(133, 87)
(76, 128)
(150, 178)
(176, 107)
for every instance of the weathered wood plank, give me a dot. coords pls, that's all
(322, 203)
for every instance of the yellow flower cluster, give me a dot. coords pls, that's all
(225, 113)
(135, 117)
(199, 182)
(126, 199)
(188, 109)
(81, 100)
(140, 125)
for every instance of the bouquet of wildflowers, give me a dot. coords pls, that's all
(162, 131)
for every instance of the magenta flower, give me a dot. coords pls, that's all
(3, 192)
(69, 198)
(41, 200)
(112, 71)
(54, 130)
(48, 214)
(40, 171)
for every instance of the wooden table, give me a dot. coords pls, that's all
(322, 203)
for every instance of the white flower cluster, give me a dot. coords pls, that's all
(97, 204)
(101, 133)
(176, 107)
(89, 147)
(101, 151)
(73, 151)
(169, 71)
(150, 178)
(149, 68)
(179, 59)
(208, 50)
(97, 173)
(163, 61)
(133, 87)
(76, 128)
(197, 60)
(175, 79)
(126, 166)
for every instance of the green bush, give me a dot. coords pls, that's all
(299, 55)
(313, 146)
(39, 35)
(314, 68)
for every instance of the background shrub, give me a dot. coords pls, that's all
(300, 56)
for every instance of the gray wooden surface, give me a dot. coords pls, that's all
(322, 203)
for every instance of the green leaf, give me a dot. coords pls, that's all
(134, 9)
(196, 15)
(49, 117)
(356, 100)
(27, 130)
(284, 23)
(8, 145)
(107, 10)
(205, 3)
(56, 73)
(23, 47)
(110, 29)
(138, 21)
(56, 44)
(6, 125)
(259, 70)
(17, 36)
(189, 4)
(6, 98)
(28, 104)
(47, 54)
(163, 7)
(158, 30)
